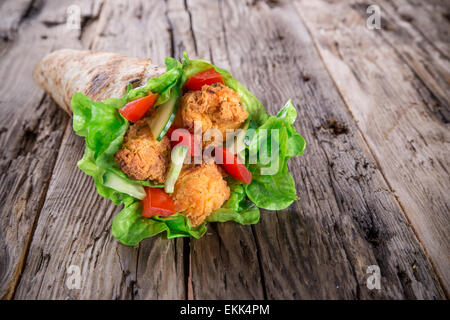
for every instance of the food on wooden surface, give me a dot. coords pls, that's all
(199, 190)
(142, 157)
(138, 121)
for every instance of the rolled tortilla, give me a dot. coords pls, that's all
(99, 75)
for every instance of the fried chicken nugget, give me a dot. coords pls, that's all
(216, 106)
(199, 191)
(142, 156)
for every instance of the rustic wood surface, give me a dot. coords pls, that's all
(373, 184)
(412, 117)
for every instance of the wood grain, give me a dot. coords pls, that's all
(74, 225)
(396, 87)
(424, 51)
(351, 96)
(13, 14)
(347, 218)
(429, 18)
(31, 132)
(76, 233)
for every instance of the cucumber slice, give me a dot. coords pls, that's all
(164, 116)
(178, 155)
(113, 181)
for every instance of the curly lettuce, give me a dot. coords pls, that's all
(276, 190)
(130, 227)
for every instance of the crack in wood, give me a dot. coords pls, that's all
(191, 26)
(261, 269)
(187, 268)
(88, 21)
(170, 30)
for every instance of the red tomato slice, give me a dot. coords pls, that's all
(232, 165)
(136, 109)
(157, 202)
(196, 82)
(180, 136)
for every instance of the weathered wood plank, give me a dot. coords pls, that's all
(430, 18)
(418, 50)
(50, 25)
(31, 131)
(347, 219)
(163, 266)
(162, 270)
(74, 225)
(76, 233)
(396, 87)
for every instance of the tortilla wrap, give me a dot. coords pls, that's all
(99, 75)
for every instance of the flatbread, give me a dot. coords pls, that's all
(99, 75)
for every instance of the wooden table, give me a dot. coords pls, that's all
(373, 184)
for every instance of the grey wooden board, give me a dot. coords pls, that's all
(32, 129)
(347, 218)
(407, 124)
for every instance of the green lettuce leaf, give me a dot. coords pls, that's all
(274, 190)
(288, 112)
(131, 228)
(161, 85)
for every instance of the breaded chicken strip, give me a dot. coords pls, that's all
(142, 156)
(199, 191)
(216, 106)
